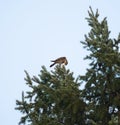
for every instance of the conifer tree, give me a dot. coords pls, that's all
(54, 98)
(102, 79)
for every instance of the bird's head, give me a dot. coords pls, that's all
(66, 62)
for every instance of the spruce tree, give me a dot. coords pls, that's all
(102, 79)
(54, 98)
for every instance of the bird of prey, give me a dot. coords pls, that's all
(61, 60)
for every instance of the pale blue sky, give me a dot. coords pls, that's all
(33, 32)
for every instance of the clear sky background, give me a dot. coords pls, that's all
(32, 32)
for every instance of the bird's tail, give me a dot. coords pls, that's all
(52, 60)
(52, 64)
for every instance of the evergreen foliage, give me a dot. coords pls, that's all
(102, 89)
(55, 97)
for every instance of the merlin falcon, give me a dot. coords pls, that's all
(61, 60)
